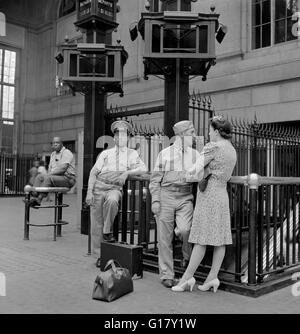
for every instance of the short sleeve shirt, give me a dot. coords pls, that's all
(65, 156)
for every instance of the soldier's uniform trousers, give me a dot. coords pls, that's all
(179, 206)
(103, 212)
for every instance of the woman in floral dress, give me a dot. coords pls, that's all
(211, 221)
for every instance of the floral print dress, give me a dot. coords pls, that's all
(211, 221)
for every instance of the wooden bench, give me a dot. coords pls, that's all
(58, 206)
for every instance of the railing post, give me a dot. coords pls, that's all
(26, 216)
(59, 213)
(253, 184)
(124, 212)
(89, 235)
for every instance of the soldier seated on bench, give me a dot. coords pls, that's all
(61, 171)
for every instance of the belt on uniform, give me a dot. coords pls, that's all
(181, 189)
(109, 182)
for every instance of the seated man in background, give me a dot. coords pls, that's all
(106, 181)
(33, 172)
(61, 171)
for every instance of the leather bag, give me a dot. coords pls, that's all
(112, 283)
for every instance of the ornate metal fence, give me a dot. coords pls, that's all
(14, 173)
(266, 149)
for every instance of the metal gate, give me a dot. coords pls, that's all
(14, 173)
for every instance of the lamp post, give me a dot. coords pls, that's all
(179, 44)
(93, 68)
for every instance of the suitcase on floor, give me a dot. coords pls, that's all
(129, 256)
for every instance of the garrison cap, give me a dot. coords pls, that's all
(121, 126)
(182, 126)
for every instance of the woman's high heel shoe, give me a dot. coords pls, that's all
(214, 284)
(189, 284)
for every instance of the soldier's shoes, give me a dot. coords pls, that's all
(168, 283)
(108, 237)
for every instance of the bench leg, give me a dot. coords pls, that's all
(89, 235)
(26, 217)
(55, 217)
(59, 212)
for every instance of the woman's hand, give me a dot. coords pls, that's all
(192, 170)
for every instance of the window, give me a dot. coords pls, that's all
(284, 11)
(7, 97)
(67, 7)
(272, 22)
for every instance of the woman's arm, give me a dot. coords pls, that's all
(200, 169)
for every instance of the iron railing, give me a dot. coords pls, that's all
(266, 149)
(265, 227)
(14, 173)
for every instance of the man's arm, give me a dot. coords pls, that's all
(63, 164)
(138, 165)
(97, 168)
(59, 170)
(201, 168)
(156, 178)
(50, 164)
(92, 179)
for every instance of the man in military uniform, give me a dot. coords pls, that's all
(172, 198)
(106, 181)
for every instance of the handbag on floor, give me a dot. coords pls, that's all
(112, 283)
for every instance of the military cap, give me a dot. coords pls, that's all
(182, 126)
(121, 126)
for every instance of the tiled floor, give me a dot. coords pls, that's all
(43, 276)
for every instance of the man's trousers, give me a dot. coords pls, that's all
(53, 181)
(103, 213)
(179, 207)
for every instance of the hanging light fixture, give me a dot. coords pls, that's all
(222, 31)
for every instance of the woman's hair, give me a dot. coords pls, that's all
(223, 126)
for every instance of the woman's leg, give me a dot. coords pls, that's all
(195, 260)
(218, 257)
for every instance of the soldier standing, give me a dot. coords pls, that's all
(172, 198)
